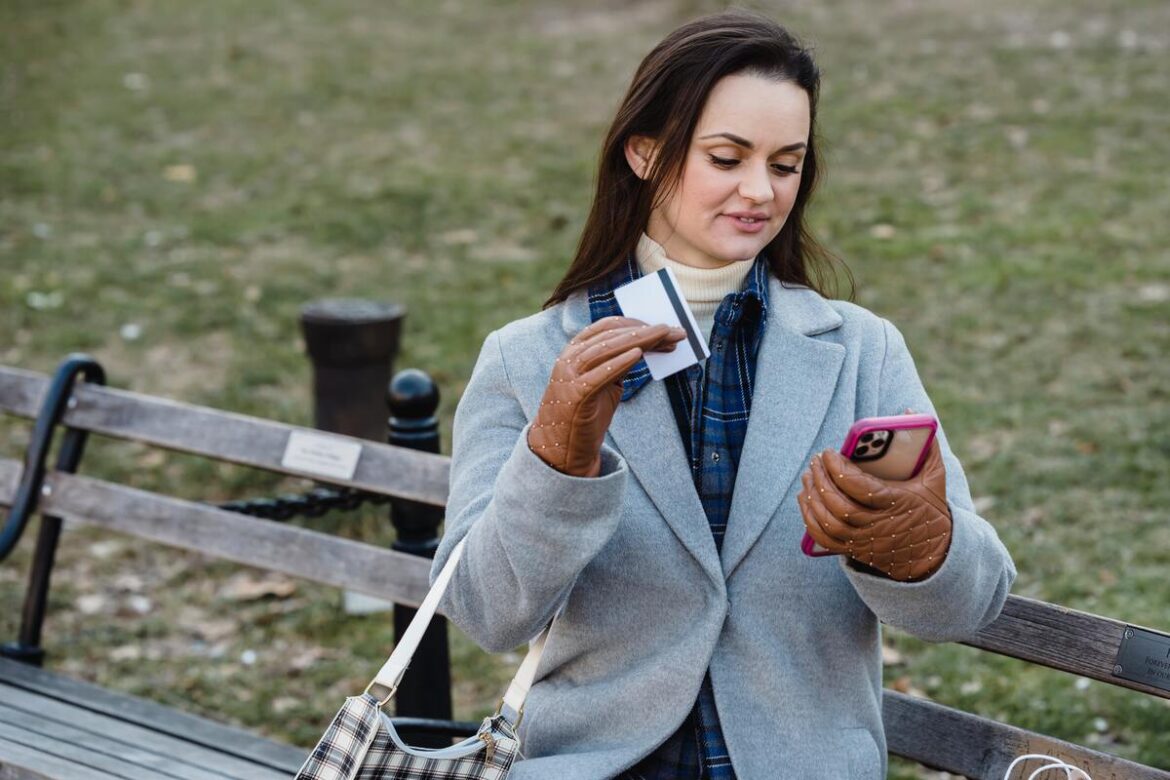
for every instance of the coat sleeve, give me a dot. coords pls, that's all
(530, 529)
(968, 591)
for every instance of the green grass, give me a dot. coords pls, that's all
(996, 183)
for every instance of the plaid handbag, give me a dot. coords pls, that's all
(361, 743)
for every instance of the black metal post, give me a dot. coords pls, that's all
(352, 345)
(57, 400)
(425, 691)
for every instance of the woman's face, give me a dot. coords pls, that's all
(741, 174)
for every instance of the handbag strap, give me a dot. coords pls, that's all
(512, 705)
(390, 675)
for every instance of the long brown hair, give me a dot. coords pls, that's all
(664, 102)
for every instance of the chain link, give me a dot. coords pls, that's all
(311, 503)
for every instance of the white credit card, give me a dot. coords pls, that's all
(655, 300)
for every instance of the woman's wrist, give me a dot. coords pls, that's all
(591, 470)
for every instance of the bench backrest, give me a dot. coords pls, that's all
(931, 734)
(248, 441)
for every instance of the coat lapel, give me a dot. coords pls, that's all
(644, 431)
(796, 377)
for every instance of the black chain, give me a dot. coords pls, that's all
(311, 503)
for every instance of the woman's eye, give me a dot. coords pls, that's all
(727, 162)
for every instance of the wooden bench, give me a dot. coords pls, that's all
(51, 726)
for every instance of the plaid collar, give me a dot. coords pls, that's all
(745, 303)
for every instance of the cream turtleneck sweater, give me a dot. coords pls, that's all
(704, 288)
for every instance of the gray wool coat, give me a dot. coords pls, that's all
(643, 602)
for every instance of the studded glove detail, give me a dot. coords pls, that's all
(901, 528)
(585, 388)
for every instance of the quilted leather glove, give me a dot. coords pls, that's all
(585, 388)
(900, 528)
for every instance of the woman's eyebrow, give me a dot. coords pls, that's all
(745, 143)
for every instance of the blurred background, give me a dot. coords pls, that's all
(178, 179)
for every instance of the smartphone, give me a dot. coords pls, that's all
(891, 448)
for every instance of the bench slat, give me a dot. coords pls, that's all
(955, 741)
(277, 756)
(98, 751)
(236, 438)
(21, 391)
(187, 760)
(268, 544)
(1060, 638)
(18, 762)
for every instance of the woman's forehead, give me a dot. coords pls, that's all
(769, 114)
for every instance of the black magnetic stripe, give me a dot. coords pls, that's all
(680, 310)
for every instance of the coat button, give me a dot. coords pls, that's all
(715, 456)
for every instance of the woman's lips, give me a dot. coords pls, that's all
(745, 225)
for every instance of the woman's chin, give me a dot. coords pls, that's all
(740, 248)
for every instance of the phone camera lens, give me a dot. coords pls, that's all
(866, 436)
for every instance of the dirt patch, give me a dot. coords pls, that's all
(178, 369)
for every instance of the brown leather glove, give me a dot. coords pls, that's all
(585, 388)
(900, 528)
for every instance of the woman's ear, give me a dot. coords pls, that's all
(640, 153)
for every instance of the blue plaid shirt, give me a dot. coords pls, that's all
(711, 408)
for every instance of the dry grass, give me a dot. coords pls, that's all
(997, 183)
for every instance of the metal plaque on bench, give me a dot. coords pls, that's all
(1144, 656)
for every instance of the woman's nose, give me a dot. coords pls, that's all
(755, 185)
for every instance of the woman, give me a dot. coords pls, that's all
(660, 522)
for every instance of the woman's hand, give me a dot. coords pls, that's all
(901, 528)
(585, 388)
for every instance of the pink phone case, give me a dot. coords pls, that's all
(888, 447)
